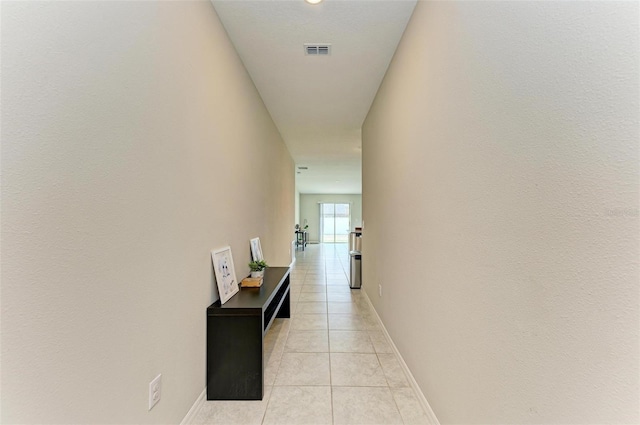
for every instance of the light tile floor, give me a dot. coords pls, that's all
(330, 363)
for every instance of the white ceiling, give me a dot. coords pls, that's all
(318, 102)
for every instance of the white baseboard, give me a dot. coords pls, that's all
(292, 250)
(191, 414)
(431, 416)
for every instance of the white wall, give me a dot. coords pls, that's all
(127, 128)
(500, 190)
(310, 210)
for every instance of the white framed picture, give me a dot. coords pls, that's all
(256, 250)
(225, 273)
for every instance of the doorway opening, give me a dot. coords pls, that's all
(335, 223)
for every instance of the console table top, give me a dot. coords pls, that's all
(253, 298)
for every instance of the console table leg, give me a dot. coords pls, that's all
(234, 358)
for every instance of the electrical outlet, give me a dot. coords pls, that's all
(155, 391)
(380, 289)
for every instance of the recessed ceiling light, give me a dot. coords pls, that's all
(313, 1)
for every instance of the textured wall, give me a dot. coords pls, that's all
(500, 195)
(133, 142)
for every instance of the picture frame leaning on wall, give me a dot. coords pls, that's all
(256, 250)
(225, 272)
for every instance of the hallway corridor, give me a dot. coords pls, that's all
(330, 363)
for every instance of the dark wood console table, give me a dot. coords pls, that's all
(235, 332)
(301, 238)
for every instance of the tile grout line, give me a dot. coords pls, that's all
(333, 419)
(264, 414)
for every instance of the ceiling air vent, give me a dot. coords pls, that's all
(316, 49)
